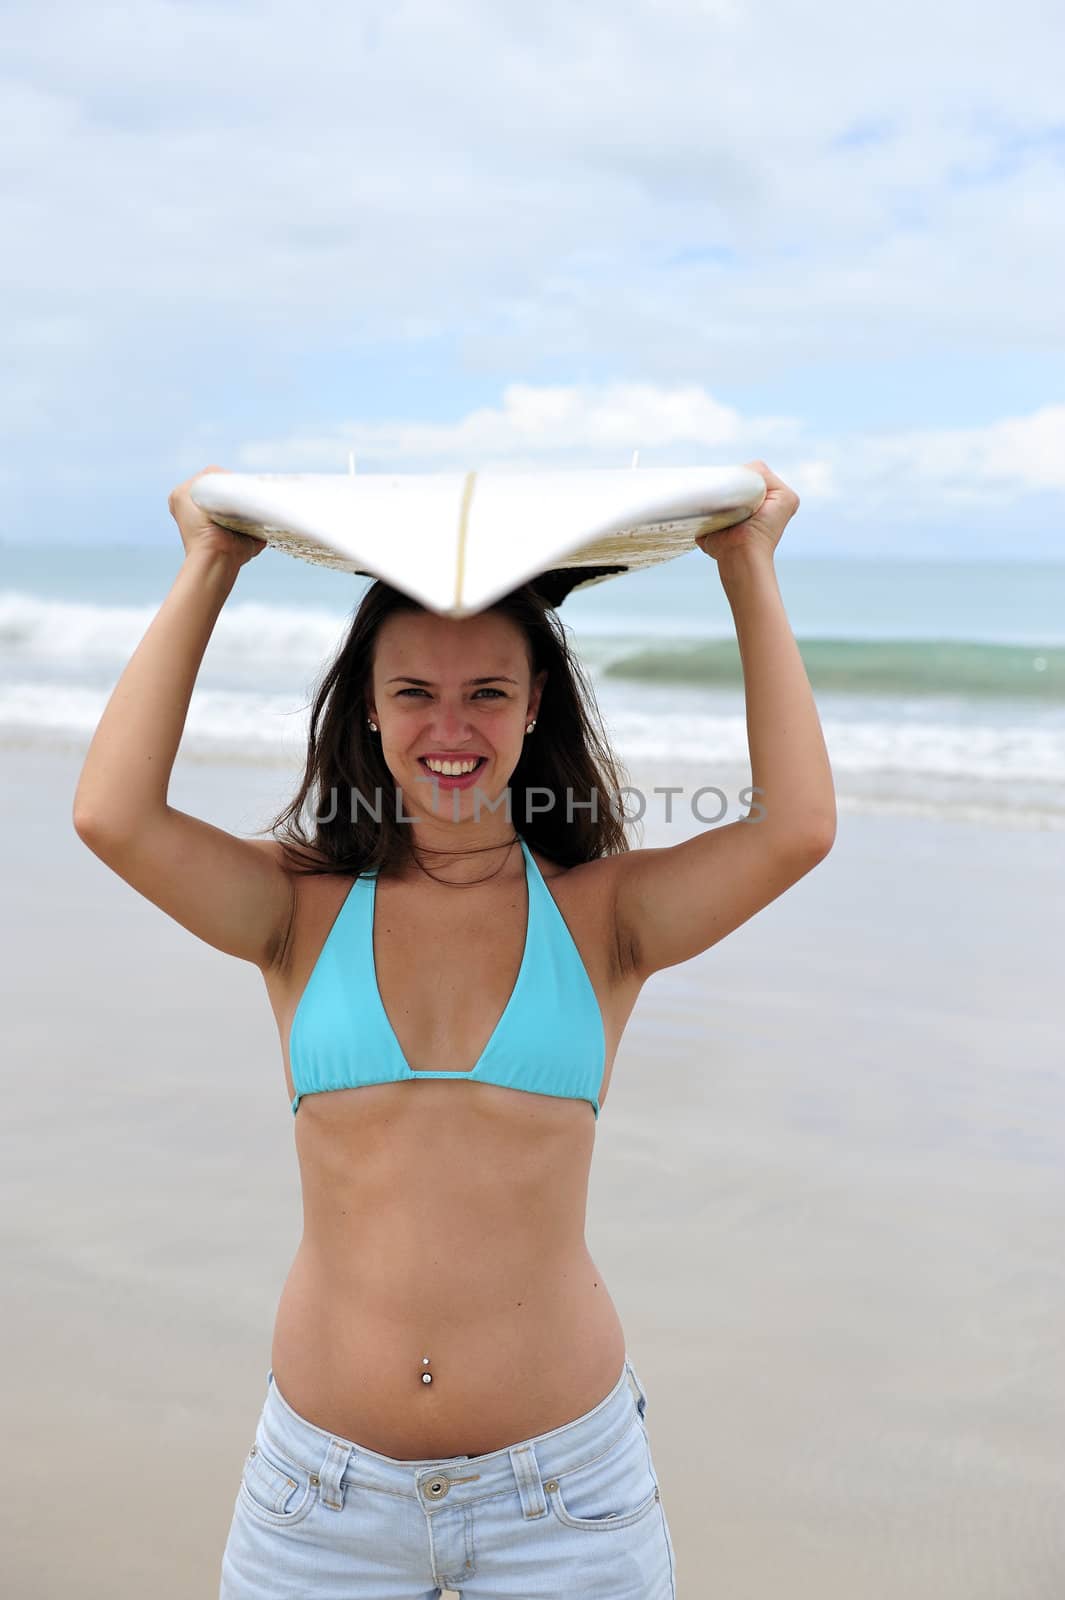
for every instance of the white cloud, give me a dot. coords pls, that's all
(971, 466)
(555, 420)
(908, 473)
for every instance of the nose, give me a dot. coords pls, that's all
(452, 722)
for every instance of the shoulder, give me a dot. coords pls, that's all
(587, 895)
(272, 849)
(596, 871)
(315, 889)
(294, 862)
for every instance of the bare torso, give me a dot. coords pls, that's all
(445, 1219)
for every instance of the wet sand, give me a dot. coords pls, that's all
(828, 1200)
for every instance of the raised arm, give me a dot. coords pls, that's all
(671, 904)
(233, 893)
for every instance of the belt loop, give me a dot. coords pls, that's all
(527, 1476)
(330, 1476)
(637, 1387)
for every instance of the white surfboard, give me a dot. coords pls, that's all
(456, 541)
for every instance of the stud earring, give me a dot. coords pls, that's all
(529, 726)
(373, 726)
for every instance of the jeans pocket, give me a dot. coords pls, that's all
(613, 1491)
(274, 1490)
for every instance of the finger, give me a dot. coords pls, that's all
(772, 481)
(781, 493)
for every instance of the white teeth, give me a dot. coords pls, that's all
(450, 769)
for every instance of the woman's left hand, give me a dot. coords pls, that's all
(761, 530)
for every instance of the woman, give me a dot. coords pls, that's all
(450, 1401)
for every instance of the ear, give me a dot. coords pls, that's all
(535, 693)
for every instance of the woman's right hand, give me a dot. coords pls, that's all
(199, 533)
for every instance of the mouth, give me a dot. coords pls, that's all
(453, 780)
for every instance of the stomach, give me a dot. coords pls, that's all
(475, 1258)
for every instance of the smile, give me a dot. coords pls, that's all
(453, 768)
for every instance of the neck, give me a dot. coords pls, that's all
(465, 853)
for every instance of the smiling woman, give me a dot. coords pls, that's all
(450, 1400)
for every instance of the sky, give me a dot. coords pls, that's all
(494, 234)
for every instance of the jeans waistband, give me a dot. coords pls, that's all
(335, 1463)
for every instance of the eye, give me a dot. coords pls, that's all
(479, 691)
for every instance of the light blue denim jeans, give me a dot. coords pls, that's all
(572, 1512)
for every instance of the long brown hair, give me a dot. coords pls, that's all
(567, 753)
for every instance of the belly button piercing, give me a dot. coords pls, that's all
(427, 1377)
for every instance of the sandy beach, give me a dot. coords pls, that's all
(828, 1201)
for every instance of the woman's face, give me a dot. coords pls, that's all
(449, 690)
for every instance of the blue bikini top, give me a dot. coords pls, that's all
(549, 1039)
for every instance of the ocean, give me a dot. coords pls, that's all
(940, 685)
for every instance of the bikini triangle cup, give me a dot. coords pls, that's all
(549, 1038)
